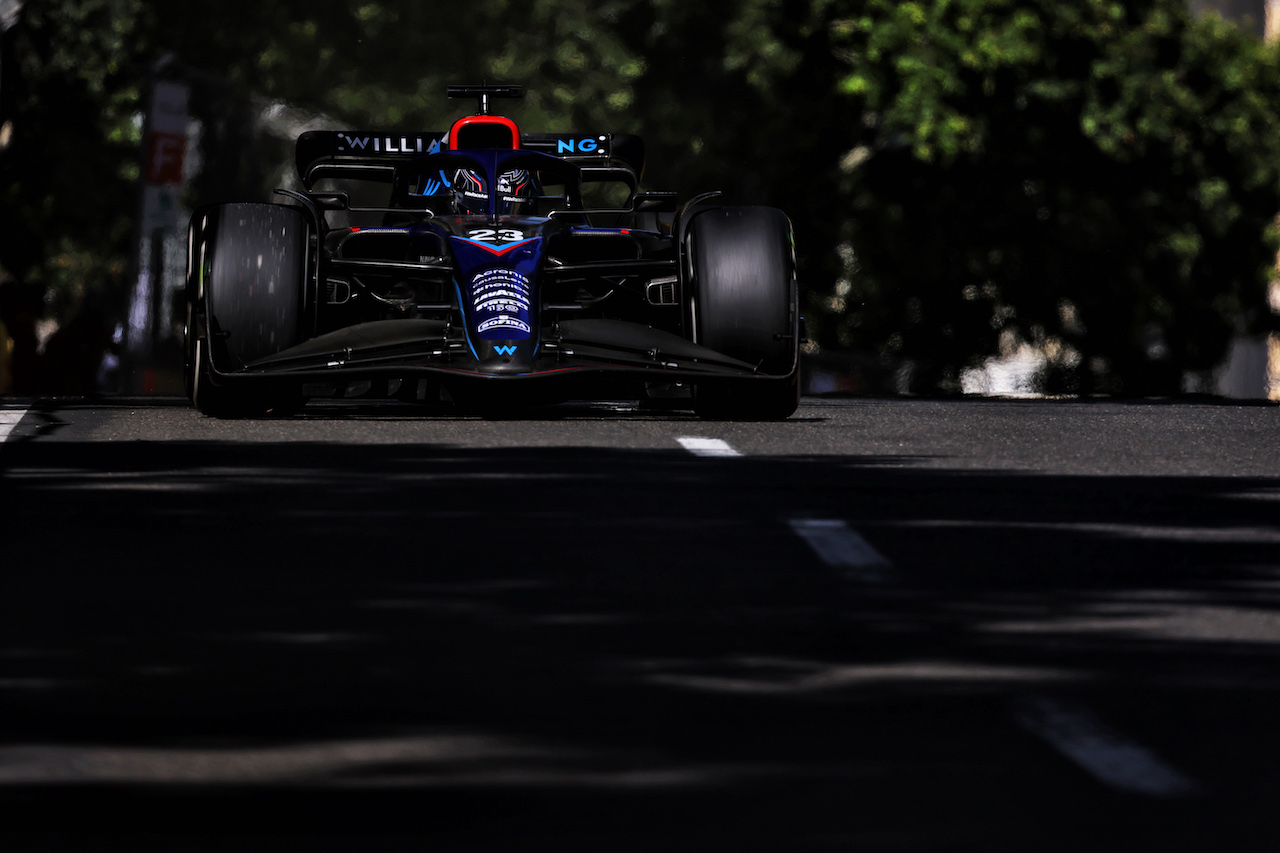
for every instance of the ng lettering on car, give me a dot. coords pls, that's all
(578, 146)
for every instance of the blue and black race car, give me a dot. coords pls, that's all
(479, 265)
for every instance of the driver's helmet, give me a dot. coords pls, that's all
(514, 194)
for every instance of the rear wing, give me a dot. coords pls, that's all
(375, 154)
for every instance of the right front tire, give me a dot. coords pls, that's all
(744, 302)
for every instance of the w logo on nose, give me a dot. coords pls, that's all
(508, 350)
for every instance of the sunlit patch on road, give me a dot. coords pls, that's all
(35, 683)
(447, 760)
(782, 676)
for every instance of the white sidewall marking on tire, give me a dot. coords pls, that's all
(8, 420)
(1107, 756)
(707, 446)
(195, 375)
(843, 549)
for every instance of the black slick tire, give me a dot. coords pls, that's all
(744, 303)
(246, 284)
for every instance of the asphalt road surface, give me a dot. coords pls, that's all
(883, 625)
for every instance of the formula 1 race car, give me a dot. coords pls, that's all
(473, 265)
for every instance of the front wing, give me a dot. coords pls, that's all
(589, 349)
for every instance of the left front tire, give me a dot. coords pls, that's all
(246, 284)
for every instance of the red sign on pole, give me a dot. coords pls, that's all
(165, 155)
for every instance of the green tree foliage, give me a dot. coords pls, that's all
(386, 64)
(1099, 178)
(68, 173)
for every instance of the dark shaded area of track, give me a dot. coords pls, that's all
(330, 647)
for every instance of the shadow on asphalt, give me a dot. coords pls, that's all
(324, 647)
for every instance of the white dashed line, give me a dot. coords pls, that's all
(707, 446)
(843, 549)
(8, 420)
(1104, 754)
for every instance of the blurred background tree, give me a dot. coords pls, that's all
(69, 145)
(1097, 179)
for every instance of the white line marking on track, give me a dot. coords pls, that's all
(1102, 753)
(707, 446)
(8, 420)
(843, 549)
